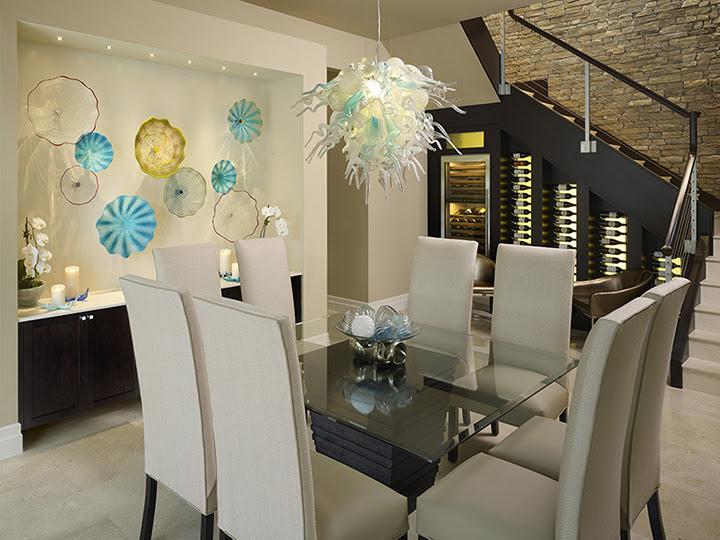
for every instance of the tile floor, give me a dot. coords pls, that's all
(83, 479)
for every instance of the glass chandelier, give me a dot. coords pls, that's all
(379, 111)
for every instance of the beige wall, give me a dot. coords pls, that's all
(164, 27)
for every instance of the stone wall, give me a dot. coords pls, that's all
(670, 46)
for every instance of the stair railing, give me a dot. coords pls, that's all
(681, 239)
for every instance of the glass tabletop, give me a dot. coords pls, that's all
(414, 405)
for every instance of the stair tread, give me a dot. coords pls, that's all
(708, 308)
(706, 366)
(705, 335)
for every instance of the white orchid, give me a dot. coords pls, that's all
(38, 223)
(43, 268)
(270, 212)
(41, 239)
(30, 253)
(281, 227)
(44, 255)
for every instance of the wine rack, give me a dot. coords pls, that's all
(465, 185)
(516, 199)
(658, 267)
(612, 232)
(565, 216)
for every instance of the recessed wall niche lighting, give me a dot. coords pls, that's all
(152, 55)
(255, 73)
(189, 61)
(109, 47)
(59, 38)
(223, 68)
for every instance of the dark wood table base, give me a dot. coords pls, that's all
(399, 470)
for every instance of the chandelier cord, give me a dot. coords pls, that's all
(377, 45)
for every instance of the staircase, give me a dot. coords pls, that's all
(701, 371)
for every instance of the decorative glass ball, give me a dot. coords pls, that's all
(363, 326)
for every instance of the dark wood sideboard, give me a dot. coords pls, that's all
(72, 363)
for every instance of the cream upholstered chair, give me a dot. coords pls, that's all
(487, 497)
(532, 308)
(441, 283)
(538, 445)
(270, 483)
(193, 267)
(265, 275)
(177, 420)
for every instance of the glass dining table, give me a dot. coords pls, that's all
(394, 421)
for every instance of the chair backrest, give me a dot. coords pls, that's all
(441, 283)
(265, 275)
(484, 270)
(263, 451)
(533, 297)
(193, 267)
(177, 419)
(641, 463)
(590, 475)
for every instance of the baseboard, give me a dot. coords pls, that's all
(340, 304)
(11, 441)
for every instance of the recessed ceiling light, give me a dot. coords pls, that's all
(59, 38)
(109, 47)
(255, 73)
(223, 68)
(189, 61)
(152, 55)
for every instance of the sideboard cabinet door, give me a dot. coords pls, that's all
(109, 354)
(50, 370)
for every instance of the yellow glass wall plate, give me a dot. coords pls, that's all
(159, 147)
(468, 139)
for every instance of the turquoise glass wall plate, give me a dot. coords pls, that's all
(223, 176)
(185, 192)
(94, 152)
(126, 225)
(245, 121)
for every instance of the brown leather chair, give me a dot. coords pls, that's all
(484, 281)
(601, 296)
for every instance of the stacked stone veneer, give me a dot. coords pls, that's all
(670, 46)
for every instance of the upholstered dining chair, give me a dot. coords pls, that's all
(487, 497)
(177, 420)
(271, 484)
(532, 308)
(265, 275)
(193, 267)
(441, 283)
(538, 445)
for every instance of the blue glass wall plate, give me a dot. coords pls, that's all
(245, 121)
(126, 225)
(94, 152)
(185, 192)
(223, 176)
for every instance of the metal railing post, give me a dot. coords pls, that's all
(503, 86)
(587, 146)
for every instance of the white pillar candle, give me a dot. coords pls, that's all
(72, 281)
(225, 261)
(235, 271)
(57, 293)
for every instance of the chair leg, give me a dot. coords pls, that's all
(563, 416)
(149, 509)
(495, 428)
(656, 523)
(223, 535)
(624, 535)
(207, 526)
(465, 417)
(453, 455)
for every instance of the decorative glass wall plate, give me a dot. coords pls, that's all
(185, 192)
(78, 185)
(159, 147)
(244, 121)
(94, 152)
(236, 215)
(62, 109)
(223, 176)
(126, 225)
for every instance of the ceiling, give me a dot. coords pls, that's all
(399, 17)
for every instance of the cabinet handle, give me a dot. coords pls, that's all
(83, 318)
(91, 317)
